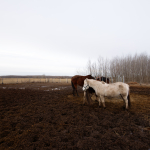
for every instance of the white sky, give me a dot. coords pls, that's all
(58, 37)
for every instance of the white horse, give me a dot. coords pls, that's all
(111, 90)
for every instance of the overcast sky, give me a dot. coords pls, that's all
(58, 37)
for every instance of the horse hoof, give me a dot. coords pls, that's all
(124, 108)
(104, 107)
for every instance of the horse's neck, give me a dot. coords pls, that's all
(96, 84)
(92, 84)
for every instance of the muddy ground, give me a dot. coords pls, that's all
(47, 116)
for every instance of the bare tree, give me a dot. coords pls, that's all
(133, 68)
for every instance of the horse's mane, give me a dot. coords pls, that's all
(90, 76)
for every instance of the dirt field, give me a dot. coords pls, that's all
(46, 116)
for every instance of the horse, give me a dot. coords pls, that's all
(111, 90)
(78, 80)
(103, 79)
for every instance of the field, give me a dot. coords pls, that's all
(33, 80)
(36, 116)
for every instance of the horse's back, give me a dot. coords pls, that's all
(82, 78)
(74, 77)
(79, 80)
(89, 77)
(114, 89)
(122, 87)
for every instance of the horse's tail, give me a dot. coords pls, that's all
(72, 85)
(128, 97)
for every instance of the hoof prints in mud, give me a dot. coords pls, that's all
(36, 119)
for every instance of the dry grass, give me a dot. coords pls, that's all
(32, 80)
(133, 83)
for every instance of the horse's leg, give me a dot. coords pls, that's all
(73, 92)
(75, 88)
(88, 97)
(125, 101)
(77, 92)
(99, 100)
(103, 101)
(84, 97)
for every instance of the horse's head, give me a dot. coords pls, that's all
(90, 77)
(85, 86)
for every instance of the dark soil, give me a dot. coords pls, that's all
(47, 116)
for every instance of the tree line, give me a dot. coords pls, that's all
(134, 68)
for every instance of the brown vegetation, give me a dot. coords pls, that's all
(132, 83)
(33, 80)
